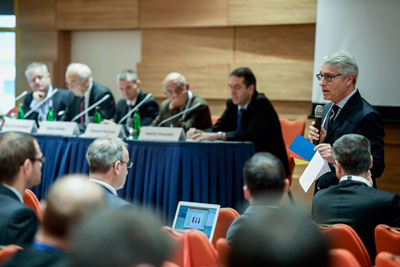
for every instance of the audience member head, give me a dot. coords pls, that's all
(78, 78)
(21, 161)
(108, 160)
(345, 63)
(264, 178)
(242, 83)
(38, 77)
(120, 237)
(279, 237)
(129, 84)
(174, 85)
(68, 199)
(352, 155)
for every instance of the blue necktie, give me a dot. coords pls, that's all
(239, 127)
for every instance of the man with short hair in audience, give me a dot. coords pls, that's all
(119, 237)
(354, 201)
(265, 185)
(86, 92)
(180, 98)
(21, 163)
(249, 116)
(108, 160)
(68, 199)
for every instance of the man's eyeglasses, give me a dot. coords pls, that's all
(327, 78)
(42, 159)
(129, 164)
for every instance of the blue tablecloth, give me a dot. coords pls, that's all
(163, 173)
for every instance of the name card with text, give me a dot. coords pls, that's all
(162, 134)
(100, 130)
(58, 128)
(26, 126)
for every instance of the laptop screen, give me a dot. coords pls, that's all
(193, 215)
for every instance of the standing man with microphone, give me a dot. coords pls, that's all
(347, 113)
(180, 98)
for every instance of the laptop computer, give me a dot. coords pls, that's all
(193, 215)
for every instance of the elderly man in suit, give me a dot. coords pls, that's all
(109, 162)
(20, 168)
(354, 201)
(347, 113)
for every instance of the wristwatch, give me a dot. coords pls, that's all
(219, 135)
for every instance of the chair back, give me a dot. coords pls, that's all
(32, 201)
(386, 259)
(214, 119)
(225, 218)
(340, 257)
(387, 239)
(343, 236)
(224, 250)
(7, 251)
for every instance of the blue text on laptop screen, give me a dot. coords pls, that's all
(195, 218)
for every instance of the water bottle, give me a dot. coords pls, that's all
(97, 115)
(136, 124)
(50, 115)
(21, 113)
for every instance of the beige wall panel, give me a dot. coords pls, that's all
(275, 43)
(282, 81)
(208, 81)
(38, 46)
(36, 14)
(266, 12)
(183, 13)
(201, 45)
(97, 14)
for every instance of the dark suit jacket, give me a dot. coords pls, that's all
(260, 126)
(32, 257)
(147, 112)
(18, 222)
(199, 118)
(357, 205)
(107, 108)
(114, 201)
(358, 117)
(59, 103)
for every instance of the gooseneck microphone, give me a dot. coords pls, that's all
(135, 108)
(41, 103)
(178, 114)
(91, 107)
(318, 116)
(21, 95)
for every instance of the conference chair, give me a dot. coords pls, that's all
(32, 201)
(340, 257)
(386, 259)
(343, 236)
(224, 249)
(225, 218)
(387, 239)
(214, 119)
(7, 251)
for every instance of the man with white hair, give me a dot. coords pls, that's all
(87, 92)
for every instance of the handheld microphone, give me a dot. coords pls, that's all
(178, 114)
(41, 103)
(21, 95)
(91, 107)
(135, 108)
(318, 116)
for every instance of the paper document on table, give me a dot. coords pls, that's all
(317, 167)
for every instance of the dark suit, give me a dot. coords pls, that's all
(147, 112)
(18, 222)
(358, 205)
(260, 126)
(199, 118)
(358, 117)
(114, 201)
(32, 257)
(59, 103)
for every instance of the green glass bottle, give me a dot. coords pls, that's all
(136, 124)
(21, 113)
(97, 115)
(50, 115)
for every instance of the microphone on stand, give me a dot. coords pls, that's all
(135, 108)
(178, 114)
(91, 107)
(318, 116)
(41, 103)
(21, 95)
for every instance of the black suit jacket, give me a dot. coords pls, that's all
(357, 117)
(358, 205)
(147, 112)
(114, 201)
(18, 222)
(260, 125)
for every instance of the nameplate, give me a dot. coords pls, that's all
(58, 128)
(26, 126)
(162, 134)
(100, 130)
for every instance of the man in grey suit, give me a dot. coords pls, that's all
(108, 161)
(20, 168)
